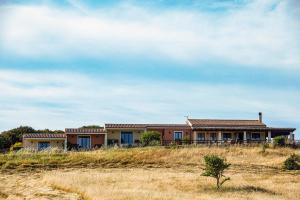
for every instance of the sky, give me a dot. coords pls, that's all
(71, 63)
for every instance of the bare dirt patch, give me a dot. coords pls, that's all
(30, 186)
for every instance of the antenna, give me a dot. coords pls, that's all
(187, 117)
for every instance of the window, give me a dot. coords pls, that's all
(84, 142)
(126, 138)
(177, 135)
(255, 136)
(226, 136)
(200, 136)
(213, 136)
(43, 145)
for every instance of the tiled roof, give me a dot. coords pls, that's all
(44, 135)
(225, 123)
(142, 126)
(282, 129)
(84, 130)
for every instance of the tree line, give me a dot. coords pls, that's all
(12, 136)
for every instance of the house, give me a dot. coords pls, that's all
(42, 141)
(194, 131)
(199, 131)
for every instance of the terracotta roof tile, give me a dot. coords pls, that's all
(225, 123)
(44, 135)
(84, 130)
(143, 126)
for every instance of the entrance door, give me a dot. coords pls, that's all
(127, 138)
(84, 142)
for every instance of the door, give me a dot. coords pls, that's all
(127, 138)
(84, 142)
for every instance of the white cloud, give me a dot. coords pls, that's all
(251, 35)
(64, 100)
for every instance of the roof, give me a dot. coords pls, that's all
(195, 123)
(44, 135)
(282, 129)
(84, 130)
(142, 126)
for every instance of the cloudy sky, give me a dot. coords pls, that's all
(72, 63)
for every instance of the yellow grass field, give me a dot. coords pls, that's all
(148, 173)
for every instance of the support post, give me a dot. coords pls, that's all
(291, 138)
(220, 137)
(269, 136)
(65, 145)
(194, 137)
(245, 137)
(105, 140)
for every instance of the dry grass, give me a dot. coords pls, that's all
(177, 184)
(157, 157)
(154, 173)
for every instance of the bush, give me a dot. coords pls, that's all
(279, 141)
(292, 162)
(150, 138)
(16, 146)
(214, 167)
(186, 140)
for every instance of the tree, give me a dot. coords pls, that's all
(15, 135)
(279, 140)
(150, 138)
(214, 167)
(292, 162)
(10, 137)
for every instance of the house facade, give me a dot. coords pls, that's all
(86, 138)
(194, 131)
(129, 134)
(42, 141)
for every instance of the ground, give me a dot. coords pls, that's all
(255, 174)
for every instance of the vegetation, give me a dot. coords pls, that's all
(147, 173)
(16, 146)
(279, 141)
(292, 162)
(150, 138)
(10, 137)
(186, 140)
(144, 157)
(214, 167)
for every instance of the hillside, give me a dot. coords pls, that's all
(150, 173)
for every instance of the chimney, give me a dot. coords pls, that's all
(260, 117)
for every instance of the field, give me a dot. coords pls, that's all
(147, 173)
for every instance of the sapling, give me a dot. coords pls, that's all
(214, 167)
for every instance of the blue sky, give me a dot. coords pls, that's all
(71, 63)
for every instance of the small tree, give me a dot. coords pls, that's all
(149, 138)
(214, 167)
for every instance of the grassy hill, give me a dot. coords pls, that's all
(153, 173)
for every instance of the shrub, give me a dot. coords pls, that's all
(279, 141)
(186, 140)
(214, 167)
(16, 146)
(150, 138)
(292, 162)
